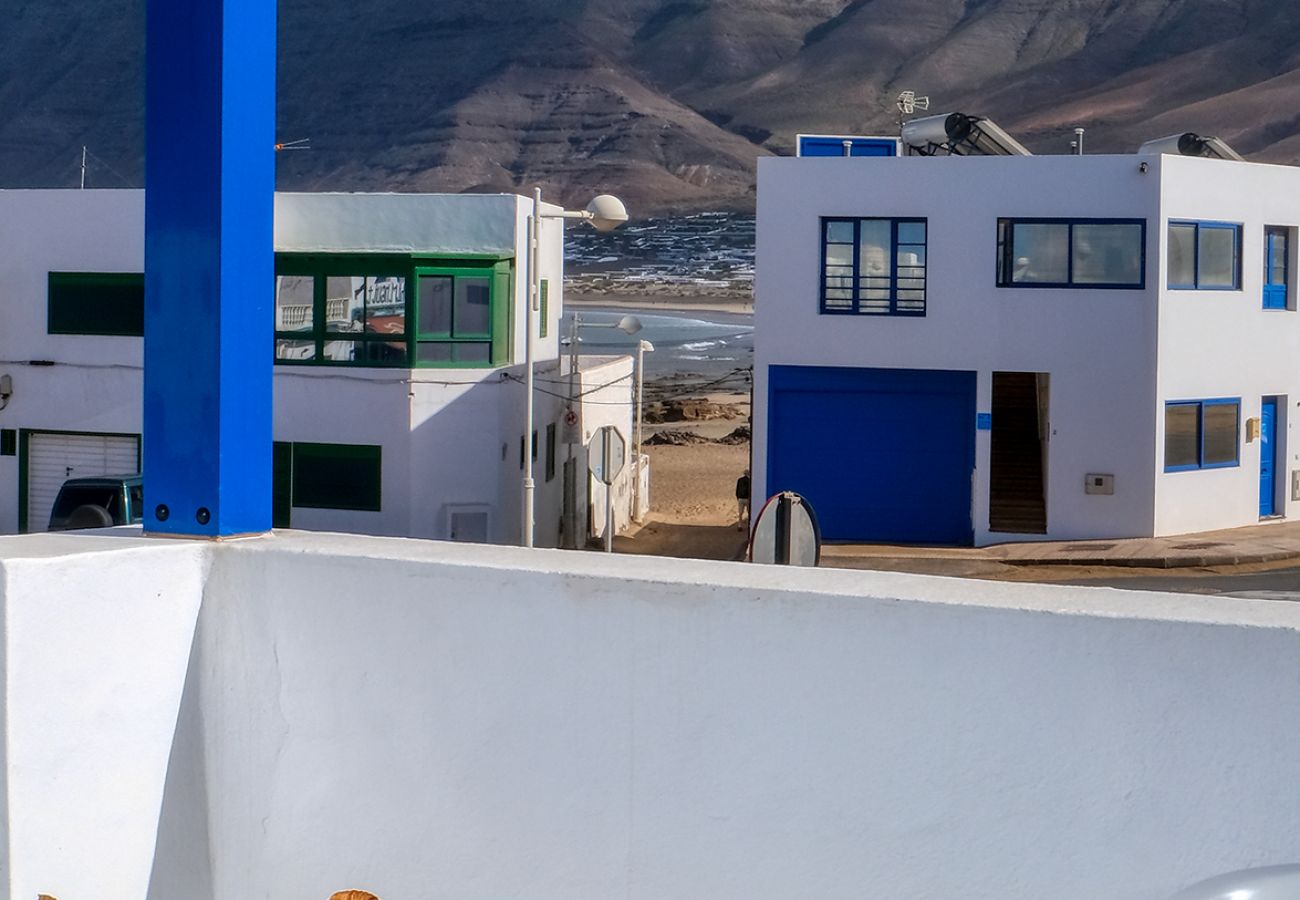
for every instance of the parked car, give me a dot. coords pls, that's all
(98, 502)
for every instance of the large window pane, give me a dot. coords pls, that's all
(345, 303)
(874, 247)
(294, 298)
(1040, 253)
(386, 305)
(1217, 262)
(1182, 435)
(1220, 444)
(435, 304)
(1182, 255)
(1277, 257)
(473, 311)
(1107, 254)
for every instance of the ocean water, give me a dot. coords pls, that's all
(705, 250)
(690, 347)
(712, 249)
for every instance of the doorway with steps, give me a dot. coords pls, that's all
(1018, 453)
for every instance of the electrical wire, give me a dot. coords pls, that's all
(745, 377)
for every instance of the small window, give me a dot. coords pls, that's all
(96, 303)
(521, 450)
(874, 266)
(337, 476)
(1076, 253)
(1204, 256)
(1202, 434)
(1277, 267)
(550, 452)
(8, 442)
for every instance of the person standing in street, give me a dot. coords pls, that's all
(742, 500)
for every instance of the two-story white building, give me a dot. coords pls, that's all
(977, 349)
(398, 345)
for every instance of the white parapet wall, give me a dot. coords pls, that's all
(297, 714)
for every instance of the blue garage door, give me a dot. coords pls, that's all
(882, 454)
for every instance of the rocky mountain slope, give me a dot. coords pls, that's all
(666, 102)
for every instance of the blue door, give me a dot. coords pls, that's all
(1276, 262)
(882, 455)
(1267, 454)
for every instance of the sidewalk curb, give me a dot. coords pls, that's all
(1158, 562)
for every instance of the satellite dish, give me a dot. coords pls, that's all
(908, 103)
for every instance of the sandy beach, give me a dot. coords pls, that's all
(693, 477)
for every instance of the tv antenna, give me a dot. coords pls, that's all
(908, 103)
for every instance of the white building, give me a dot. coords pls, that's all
(399, 344)
(980, 349)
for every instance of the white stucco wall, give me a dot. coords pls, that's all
(1096, 344)
(1224, 344)
(97, 637)
(609, 391)
(43, 231)
(456, 224)
(433, 720)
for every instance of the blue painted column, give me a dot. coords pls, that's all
(209, 266)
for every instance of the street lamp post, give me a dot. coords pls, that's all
(641, 349)
(604, 213)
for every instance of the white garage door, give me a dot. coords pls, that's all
(53, 458)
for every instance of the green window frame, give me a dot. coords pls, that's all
(96, 303)
(475, 333)
(325, 476)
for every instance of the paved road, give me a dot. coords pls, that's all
(1275, 584)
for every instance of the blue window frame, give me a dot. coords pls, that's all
(1204, 256)
(873, 266)
(1202, 434)
(1072, 253)
(1277, 266)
